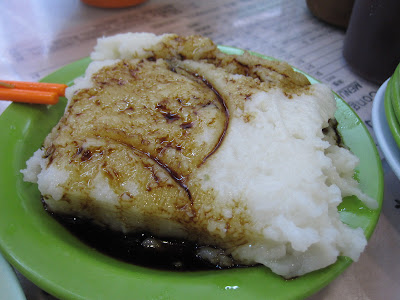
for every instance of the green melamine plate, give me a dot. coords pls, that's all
(52, 258)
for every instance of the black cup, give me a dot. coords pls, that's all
(372, 41)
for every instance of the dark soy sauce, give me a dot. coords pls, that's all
(141, 249)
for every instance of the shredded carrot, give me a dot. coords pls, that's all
(28, 96)
(37, 86)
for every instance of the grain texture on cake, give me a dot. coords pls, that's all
(168, 135)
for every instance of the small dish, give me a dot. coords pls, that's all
(9, 285)
(382, 130)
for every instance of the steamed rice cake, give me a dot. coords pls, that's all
(168, 135)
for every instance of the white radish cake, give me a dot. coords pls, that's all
(168, 135)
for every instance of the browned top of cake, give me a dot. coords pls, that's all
(157, 119)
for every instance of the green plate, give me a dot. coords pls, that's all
(47, 254)
(390, 112)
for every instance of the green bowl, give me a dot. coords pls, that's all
(390, 110)
(56, 261)
(392, 104)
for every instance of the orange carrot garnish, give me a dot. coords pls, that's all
(37, 86)
(31, 92)
(28, 96)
